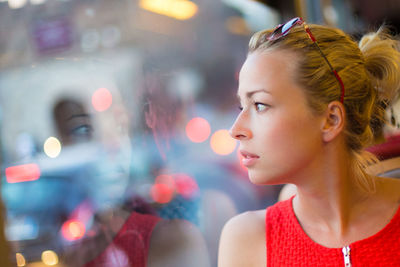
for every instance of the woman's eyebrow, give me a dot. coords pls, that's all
(84, 115)
(251, 93)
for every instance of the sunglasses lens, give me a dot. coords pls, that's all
(289, 25)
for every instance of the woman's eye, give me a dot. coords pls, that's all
(82, 132)
(260, 106)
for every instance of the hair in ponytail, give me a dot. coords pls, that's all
(382, 61)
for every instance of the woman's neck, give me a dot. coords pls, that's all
(330, 201)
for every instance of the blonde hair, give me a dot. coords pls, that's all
(369, 70)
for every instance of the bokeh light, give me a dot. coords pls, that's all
(49, 257)
(186, 185)
(73, 230)
(101, 99)
(161, 193)
(183, 9)
(163, 189)
(222, 143)
(20, 259)
(52, 147)
(178, 9)
(198, 130)
(14, 4)
(22, 173)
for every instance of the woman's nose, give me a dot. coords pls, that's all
(239, 130)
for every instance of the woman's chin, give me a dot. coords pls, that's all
(258, 178)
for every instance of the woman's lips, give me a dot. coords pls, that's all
(248, 159)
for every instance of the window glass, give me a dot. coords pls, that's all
(114, 119)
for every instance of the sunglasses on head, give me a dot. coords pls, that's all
(284, 29)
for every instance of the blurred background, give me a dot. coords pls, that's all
(127, 103)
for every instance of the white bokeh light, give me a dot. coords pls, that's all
(52, 147)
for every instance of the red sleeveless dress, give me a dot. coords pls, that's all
(130, 246)
(288, 245)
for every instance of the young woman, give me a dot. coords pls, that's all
(310, 100)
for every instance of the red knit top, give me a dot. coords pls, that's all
(289, 245)
(130, 246)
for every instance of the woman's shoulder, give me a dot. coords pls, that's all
(177, 242)
(247, 223)
(242, 240)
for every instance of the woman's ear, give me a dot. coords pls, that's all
(334, 121)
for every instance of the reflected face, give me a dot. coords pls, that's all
(73, 122)
(109, 147)
(279, 136)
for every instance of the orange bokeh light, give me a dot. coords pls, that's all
(22, 173)
(101, 99)
(198, 130)
(178, 9)
(163, 189)
(161, 193)
(222, 143)
(73, 230)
